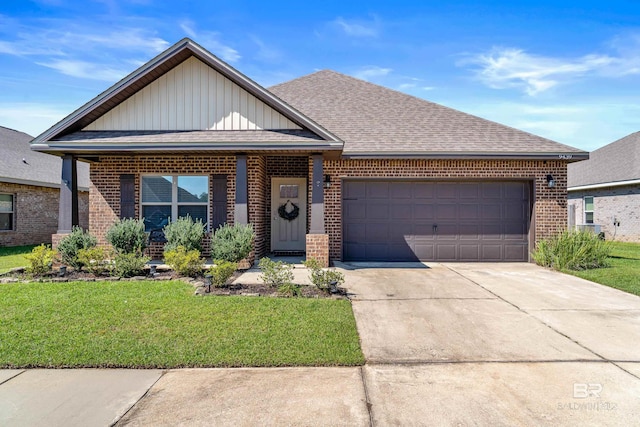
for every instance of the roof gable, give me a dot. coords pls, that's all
(99, 113)
(618, 161)
(191, 96)
(374, 121)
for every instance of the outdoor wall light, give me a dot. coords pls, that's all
(327, 181)
(550, 181)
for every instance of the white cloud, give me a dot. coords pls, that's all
(265, 52)
(85, 70)
(210, 40)
(358, 28)
(32, 118)
(372, 71)
(514, 68)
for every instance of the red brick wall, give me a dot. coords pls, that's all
(318, 248)
(550, 212)
(36, 214)
(256, 170)
(104, 200)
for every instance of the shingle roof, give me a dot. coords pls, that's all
(19, 164)
(374, 119)
(615, 162)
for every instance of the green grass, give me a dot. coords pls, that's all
(153, 324)
(12, 257)
(623, 272)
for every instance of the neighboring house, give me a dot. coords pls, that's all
(29, 190)
(324, 164)
(604, 191)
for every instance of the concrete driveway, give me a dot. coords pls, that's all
(495, 344)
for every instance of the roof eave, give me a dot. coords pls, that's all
(604, 185)
(567, 156)
(36, 183)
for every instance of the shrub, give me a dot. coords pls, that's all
(184, 262)
(289, 290)
(323, 277)
(221, 271)
(275, 273)
(70, 245)
(572, 250)
(130, 264)
(95, 260)
(40, 260)
(184, 232)
(232, 243)
(127, 236)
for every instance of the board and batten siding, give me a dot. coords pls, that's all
(192, 96)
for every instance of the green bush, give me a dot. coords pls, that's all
(95, 260)
(276, 273)
(221, 271)
(70, 245)
(323, 277)
(130, 264)
(40, 260)
(184, 232)
(127, 236)
(572, 250)
(232, 243)
(184, 262)
(289, 290)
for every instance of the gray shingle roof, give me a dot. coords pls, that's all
(617, 161)
(374, 119)
(19, 164)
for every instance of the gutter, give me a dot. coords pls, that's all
(178, 147)
(569, 157)
(604, 185)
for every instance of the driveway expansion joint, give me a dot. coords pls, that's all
(15, 376)
(366, 396)
(146, 393)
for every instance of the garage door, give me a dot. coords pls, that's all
(435, 221)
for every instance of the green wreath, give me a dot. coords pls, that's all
(289, 216)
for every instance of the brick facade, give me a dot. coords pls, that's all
(318, 248)
(549, 210)
(621, 203)
(35, 216)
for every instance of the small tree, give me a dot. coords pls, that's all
(70, 245)
(128, 236)
(184, 232)
(232, 243)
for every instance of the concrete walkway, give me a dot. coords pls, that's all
(446, 344)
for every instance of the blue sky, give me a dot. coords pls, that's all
(566, 70)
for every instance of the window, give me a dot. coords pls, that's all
(588, 210)
(171, 196)
(6, 212)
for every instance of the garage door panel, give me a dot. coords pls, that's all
(476, 221)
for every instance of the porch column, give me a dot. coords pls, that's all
(317, 196)
(68, 208)
(241, 211)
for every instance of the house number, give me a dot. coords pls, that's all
(565, 156)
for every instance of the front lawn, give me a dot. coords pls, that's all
(12, 257)
(624, 271)
(159, 324)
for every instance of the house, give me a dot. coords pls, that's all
(29, 189)
(324, 164)
(604, 191)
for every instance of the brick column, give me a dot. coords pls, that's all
(318, 248)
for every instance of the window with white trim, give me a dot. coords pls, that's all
(166, 197)
(6, 212)
(588, 209)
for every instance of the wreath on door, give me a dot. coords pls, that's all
(289, 215)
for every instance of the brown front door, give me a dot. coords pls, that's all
(288, 197)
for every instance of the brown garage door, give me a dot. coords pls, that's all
(435, 221)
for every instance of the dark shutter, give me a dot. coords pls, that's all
(219, 201)
(127, 196)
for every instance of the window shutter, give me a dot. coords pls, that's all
(219, 201)
(127, 196)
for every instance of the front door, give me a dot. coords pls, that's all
(288, 214)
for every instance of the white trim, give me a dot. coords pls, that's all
(604, 185)
(12, 212)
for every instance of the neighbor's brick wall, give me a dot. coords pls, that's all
(36, 214)
(104, 199)
(550, 203)
(622, 202)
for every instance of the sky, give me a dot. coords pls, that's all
(565, 70)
